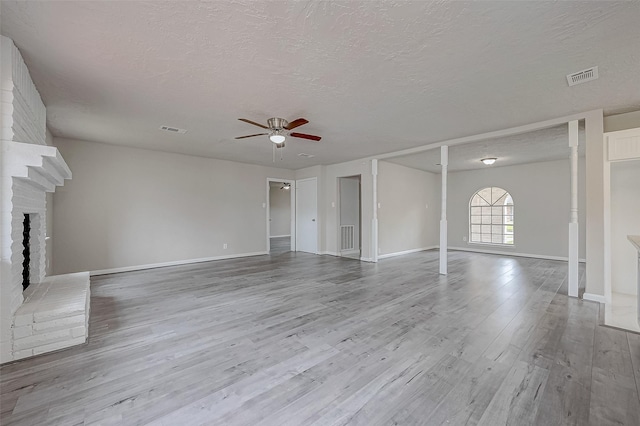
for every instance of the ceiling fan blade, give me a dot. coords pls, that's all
(304, 136)
(253, 122)
(296, 123)
(250, 136)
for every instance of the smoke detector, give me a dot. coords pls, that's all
(582, 76)
(173, 129)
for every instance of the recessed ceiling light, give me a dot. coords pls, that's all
(302, 154)
(489, 161)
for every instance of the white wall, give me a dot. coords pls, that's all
(279, 211)
(350, 206)
(625, 220)
(408, 217)
(541, 194)
(128, 207)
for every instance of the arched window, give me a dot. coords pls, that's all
(491, 217)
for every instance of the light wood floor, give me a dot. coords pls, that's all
(298, 339)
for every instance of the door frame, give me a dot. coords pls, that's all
(338, 211)
(293, 211)
(315, 179)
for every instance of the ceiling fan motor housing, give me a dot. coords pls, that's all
(277, 123)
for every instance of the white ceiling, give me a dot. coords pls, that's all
(372, 77)
(541, 145)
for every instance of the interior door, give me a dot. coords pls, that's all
(307, 215)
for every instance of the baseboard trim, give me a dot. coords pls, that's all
(506, 253)
(330, 253)
(594, 297)
(367, 259)
(347, 252)
(400, 253)
(174, 263)
(279, 236)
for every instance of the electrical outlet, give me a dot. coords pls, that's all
(464, 239)
(224, 246)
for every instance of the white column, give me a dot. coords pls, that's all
(444, 161)
(573, 221)
(374, 221)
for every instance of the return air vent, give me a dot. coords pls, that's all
(172, 129)
(302, 154)
(582, 76)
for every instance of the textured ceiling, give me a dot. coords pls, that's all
(372, 77)
(541, 145)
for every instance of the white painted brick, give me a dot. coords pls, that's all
(41, 339)
(24, 319)
(41, 316)
(24, 331)
(79, 332)
(69, 322)
(59, 345)
(25, 353)
(64, 312)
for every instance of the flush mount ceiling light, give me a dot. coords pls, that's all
(286, 185)
(488, 161)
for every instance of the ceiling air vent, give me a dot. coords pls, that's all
(582, 76)
(302, 154)
(172, 129)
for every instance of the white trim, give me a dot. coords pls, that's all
(173, 263)
(368, 259)
(330, 253)
(512, 131)
(400, 253)
(292, 201)
(374, 219)
(295, 233)
(350, 251)
(504, 246)
(279, 236)
(594, 297)
(444, 241)
(506, 253)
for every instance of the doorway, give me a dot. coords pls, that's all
(349, 217)
(307, 215)
(280, 215)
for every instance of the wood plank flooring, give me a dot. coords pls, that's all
(298, 339)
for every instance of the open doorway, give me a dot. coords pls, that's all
(350, 217)
(279, 216)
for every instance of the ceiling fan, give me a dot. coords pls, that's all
(279, 129)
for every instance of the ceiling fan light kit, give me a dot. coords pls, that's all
(277, 136)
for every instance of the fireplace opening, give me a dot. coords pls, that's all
(26, 250)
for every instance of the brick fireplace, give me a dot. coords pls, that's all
(52, 312)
